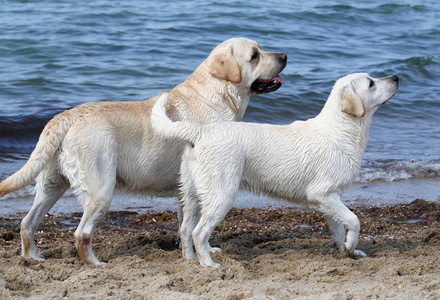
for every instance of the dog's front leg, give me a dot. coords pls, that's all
(341, 220)
(337, 231)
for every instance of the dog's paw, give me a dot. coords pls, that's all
(100, 264)
(359, 253)
(34, 256)
(210, 265)
(354, 253)
(207, 262)
(215, 250)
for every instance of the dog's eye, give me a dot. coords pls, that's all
(371, 83)
(255, 55)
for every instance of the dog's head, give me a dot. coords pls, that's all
(360, 94)
(242, 61)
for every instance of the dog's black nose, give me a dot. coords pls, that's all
(283, 56)
(394, 78)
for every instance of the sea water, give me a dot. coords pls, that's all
(56, 54)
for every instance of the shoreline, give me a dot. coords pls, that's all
(371, 193)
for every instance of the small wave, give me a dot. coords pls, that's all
(393, 7)
(32, 81)
(23, 126)
(382, 8)
(19, 134)
(417, 62)
(394, 170)
(412, 63)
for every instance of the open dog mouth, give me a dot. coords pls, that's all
(261, 86)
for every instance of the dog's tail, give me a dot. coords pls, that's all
(164, 127)
(48, 144)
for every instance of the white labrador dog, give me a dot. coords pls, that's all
(96, 148)
(310, 162)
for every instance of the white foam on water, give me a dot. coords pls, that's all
(393, 170)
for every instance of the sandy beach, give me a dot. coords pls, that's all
(278, 253)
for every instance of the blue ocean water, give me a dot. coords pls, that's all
(57, 54)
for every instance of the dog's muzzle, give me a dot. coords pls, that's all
(261, 86)
(267, 86)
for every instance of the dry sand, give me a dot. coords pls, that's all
(267, 254)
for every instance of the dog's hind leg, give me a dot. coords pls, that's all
(191, 216)
(220, 192)
(179, 218)
(50, 187)
(189, 206)
(94, 185)
(217, 205)
(95, 208)
(215, 178)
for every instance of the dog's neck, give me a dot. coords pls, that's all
(234, 102)
(220, 95)
(356, 128)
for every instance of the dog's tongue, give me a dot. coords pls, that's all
(274, 80)
(263, 86)
(280, 79)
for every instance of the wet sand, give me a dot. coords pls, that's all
(278, 253)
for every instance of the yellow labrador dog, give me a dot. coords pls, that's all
(96, 148)
(311, 162)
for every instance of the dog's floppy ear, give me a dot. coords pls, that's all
(351, 102)
(222, 64)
